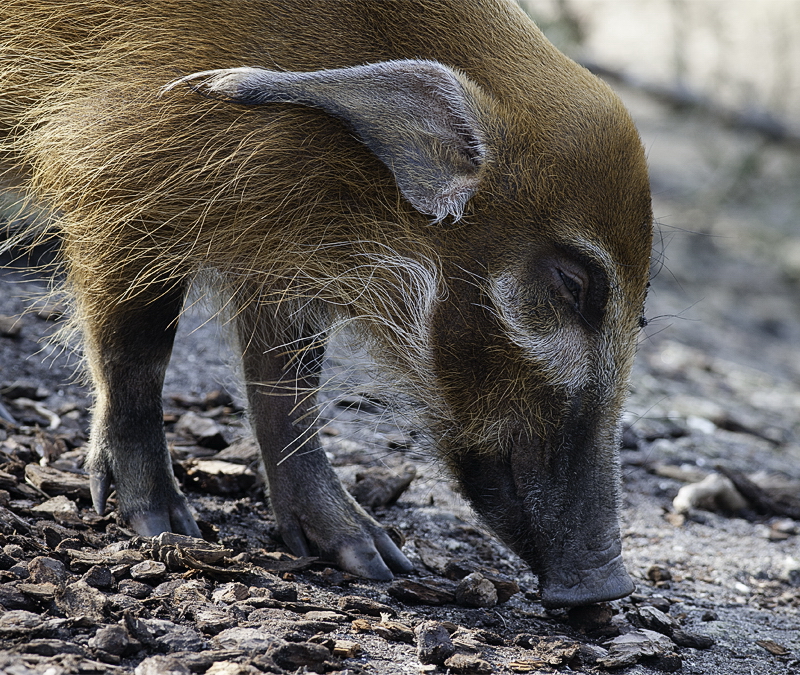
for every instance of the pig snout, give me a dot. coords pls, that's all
(554, 502)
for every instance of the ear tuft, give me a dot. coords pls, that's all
(420, 118)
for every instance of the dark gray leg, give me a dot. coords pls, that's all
(128, 347)
(315, 514)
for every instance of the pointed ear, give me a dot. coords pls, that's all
(420, 118)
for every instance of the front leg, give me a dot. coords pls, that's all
(315, 514)
(128, 346)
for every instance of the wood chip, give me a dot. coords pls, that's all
(377, 486)
(394, 631)
(54, 482)
(761, 501)
(474, 590)
(11, 523)
(8, 481)
(429, 592)
(773, 647)
(282, 563)
(554, 650)
(40, 592)
(18, 622)
(53, 420)
(685, 474)
(80, 599)
(219, 478)
(684, 638)
(526, 665)
(61, 509)
(357, 603)
(630, 648)
(361, 626)
(435, 558)
(433, 643)
(467, 664)
(388, 630)
(714, 493)
(346, 649)
(244, 451)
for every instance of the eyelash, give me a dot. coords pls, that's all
(573, 287)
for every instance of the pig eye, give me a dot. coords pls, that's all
(571, 288)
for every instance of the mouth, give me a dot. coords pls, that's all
(561, 519)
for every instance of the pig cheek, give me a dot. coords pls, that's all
(538, 498)
(493, 488)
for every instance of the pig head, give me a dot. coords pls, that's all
(541, 285)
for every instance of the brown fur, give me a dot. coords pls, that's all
(300, 226)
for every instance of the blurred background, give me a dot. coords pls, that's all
(714, 87)
(739, 56)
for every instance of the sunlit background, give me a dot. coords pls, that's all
(714, 87)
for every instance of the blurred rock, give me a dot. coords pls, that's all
(467, 663)
(231, 668)
(247, 639)
(434, 645)
(476, 591)
(205, 432)
(148, 571)
(17, 622)
(658, 573)
(377, 486)
(639, 645)
(80, 599)
(24, 389)
(162, 665)
(230, 593)
(211, 620)
(243, 451)
(10, 326)
(12, 598)
(714, 493)
(166, 635)
(135, 589)
(306, 655)
(113, 639)
(43, 569)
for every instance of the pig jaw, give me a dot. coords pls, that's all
(559, 516)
